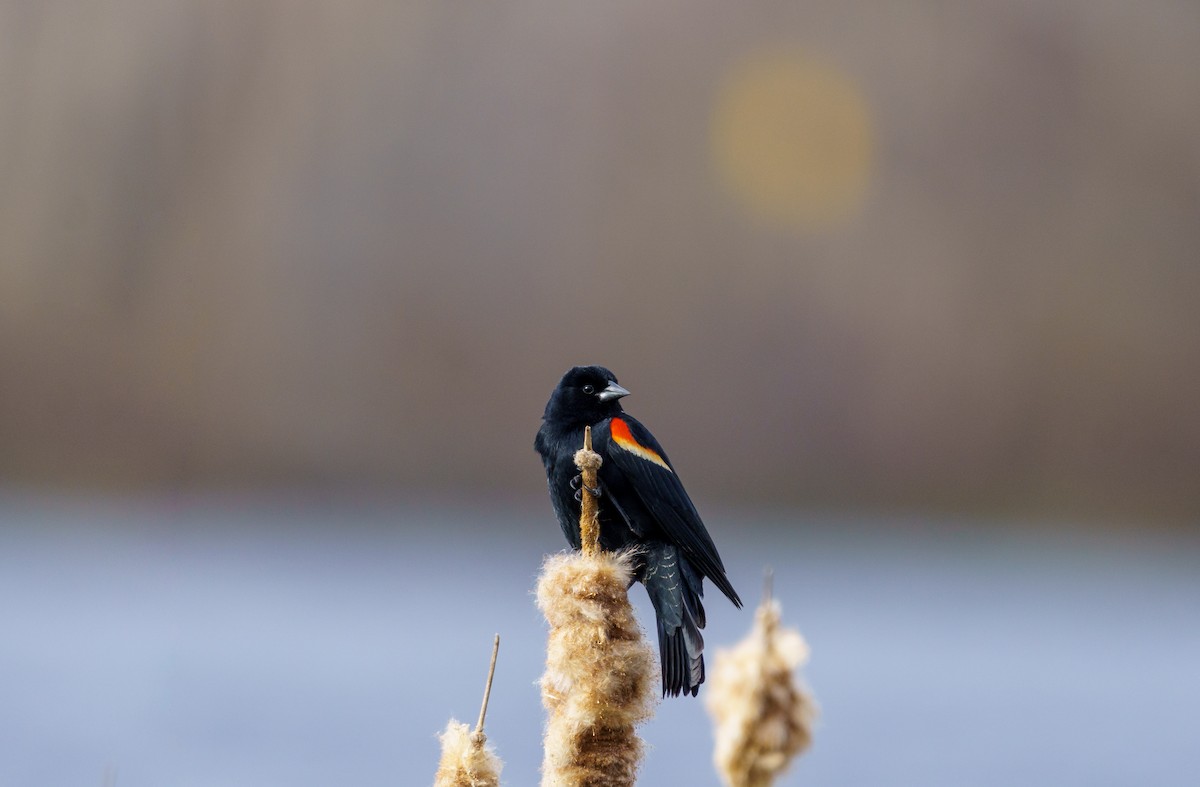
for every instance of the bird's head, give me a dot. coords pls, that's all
(585, 395)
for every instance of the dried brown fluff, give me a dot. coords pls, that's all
(600, 673)
(467, 760)
(763, 716)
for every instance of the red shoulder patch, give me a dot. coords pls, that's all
(624, 439)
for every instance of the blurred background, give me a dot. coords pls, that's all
(908, 292)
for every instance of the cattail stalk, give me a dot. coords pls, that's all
(467, 760)
(588, 462)
(600, 672)
(763, 716)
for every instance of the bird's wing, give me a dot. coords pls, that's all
(634, 459)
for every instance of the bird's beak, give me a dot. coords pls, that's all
(613, 391)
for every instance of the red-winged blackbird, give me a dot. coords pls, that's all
(642, 504)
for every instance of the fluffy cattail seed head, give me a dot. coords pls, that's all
(763, 716)
(600, 673)
(467, 760)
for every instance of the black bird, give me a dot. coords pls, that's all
(642, 504)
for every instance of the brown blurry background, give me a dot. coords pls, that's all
(924, 255)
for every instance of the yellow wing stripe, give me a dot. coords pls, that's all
(624, 439)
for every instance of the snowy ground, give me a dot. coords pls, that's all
(255, 644)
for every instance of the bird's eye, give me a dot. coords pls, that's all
(589, 389)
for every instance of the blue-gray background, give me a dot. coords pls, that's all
(280, 644)
(907, 292)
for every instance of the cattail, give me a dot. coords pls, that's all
(467, 760)
(763, 716)
(600, 672)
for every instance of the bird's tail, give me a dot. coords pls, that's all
(675, 591)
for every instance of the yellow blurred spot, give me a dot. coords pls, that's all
(792, 140)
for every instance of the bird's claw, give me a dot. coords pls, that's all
(579, 494)
(578, 485)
